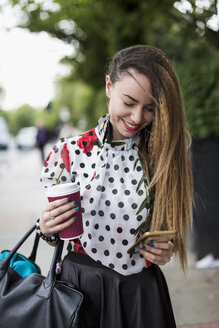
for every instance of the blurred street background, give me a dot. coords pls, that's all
(53, 60)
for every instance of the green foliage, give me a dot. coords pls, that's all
(74, 96)
(200, 83)
(2, 92)
(22, 117)
(82, 101)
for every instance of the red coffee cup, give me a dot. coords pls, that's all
(72, 191)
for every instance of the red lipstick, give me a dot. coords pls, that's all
(130, 126)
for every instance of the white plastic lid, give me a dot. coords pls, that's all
(62, 189)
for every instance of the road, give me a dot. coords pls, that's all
(21, 200)
(19, 183)
(195, 297)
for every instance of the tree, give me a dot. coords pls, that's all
(22, 117)
(98, 28)
(200, 83)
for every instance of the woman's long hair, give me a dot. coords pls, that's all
(164, 148)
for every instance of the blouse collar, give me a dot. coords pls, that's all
(104, 131)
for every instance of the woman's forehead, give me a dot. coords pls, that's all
(131, 80)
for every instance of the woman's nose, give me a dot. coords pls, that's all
(137, 115)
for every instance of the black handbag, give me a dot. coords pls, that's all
(37, 301)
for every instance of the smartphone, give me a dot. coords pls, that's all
(155, 236)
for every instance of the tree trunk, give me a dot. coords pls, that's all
(205, 163)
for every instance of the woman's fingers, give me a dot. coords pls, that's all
(159, 253)
(47, 212)
(61, 226)
(61, 213)
(57, 203)
(58, 219)
(55, 213)
(161, 248)
(156, 259)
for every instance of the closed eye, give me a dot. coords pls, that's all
(150, 109)
(128, 104)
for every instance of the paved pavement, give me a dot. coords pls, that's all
(195, 297)
(208, 325)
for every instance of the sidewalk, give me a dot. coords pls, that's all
(195, 297)
(210, 325)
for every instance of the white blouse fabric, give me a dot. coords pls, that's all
(114, 194)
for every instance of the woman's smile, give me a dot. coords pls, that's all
(130, 126)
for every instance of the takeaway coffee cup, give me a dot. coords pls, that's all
(72, 191)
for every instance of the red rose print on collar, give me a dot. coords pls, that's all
(47, 158)
(65, 164)
(86, 142)
(65, 157)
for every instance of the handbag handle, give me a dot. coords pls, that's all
(4, 264)
(32, 256)
(46, 288)
(49, 282)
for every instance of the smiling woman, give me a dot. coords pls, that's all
(134, 177)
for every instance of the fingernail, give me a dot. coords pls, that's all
(68, 200)
(137, 251)
(143, 247)
(75, 218)
(151, 243)
(75, 202)
(143, 242)
(77, 208)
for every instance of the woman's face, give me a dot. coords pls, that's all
(130, 104)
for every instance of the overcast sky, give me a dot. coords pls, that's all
(29, 64)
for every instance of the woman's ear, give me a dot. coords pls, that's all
(108, 86)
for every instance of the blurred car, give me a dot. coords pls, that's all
(26, 138)
(4, 134)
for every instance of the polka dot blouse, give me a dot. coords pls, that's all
(114, 194)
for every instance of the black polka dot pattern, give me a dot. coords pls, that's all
(108, 177)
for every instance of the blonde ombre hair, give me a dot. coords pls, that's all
(164, 146)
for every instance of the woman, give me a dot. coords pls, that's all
(134, 176)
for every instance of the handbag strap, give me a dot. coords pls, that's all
(4, 264)
(32, 256)
(49, 282)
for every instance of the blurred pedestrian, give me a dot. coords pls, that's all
(135, 176)
(41, 138)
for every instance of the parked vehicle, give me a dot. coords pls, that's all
(26, 138)
(4, 134)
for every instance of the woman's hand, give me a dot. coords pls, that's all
(158, 252)
(55, 213)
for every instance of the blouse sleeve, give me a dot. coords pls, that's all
(56, 168)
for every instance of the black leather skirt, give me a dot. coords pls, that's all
(112, 300)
